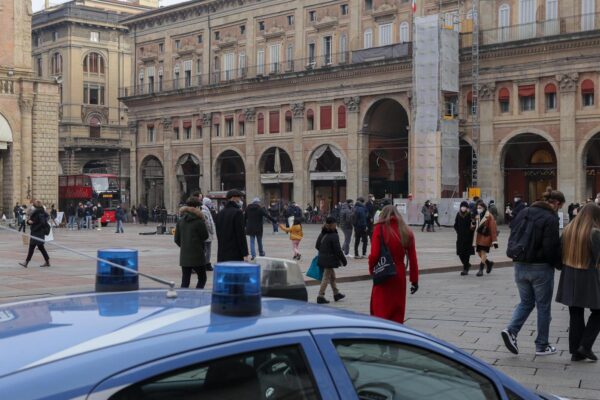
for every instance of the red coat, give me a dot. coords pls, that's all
(388, 300)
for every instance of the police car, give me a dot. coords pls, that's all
(231, 343)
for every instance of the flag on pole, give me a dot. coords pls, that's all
(414, 6)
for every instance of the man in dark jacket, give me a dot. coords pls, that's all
(190, 235)
(535, 275)
(232, 244)
(38, 221)
(254, 218)
(99, 215)
(120, 217)
(360, 219)
(71, 215)
(330, 257)
(520, 205)
(346, 225)
(274, 213)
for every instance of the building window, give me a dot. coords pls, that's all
(177, 44)
(260, 62)
(199, 39)
(150, 133)
(527, 98)
(503, 22)
(38, 40)
(261, 25)
(550, 93)
(161, 48)
(94, 37)
(274, 59)
(54, 36)
(404, 33)
(56, 64)
(93, 63)
(95, 127)
(341, 117)
(187, 133)
(325, 118)
(343, 48)
(368, 39)
(187, 70)
(160, 81)
(229, 126)
(217, 130)
(176, 133)
(199, 128)
(450, 106)
(289, 57)
(242, 125)
(228, 66)
(385, 34)
(344, 9)
(310, 120)
(260, 124)
(311, 54)
(243, 29)
(290, 20)
(587, 93)
(242, 64)
(93, 94)
(312, 16)
(368, 5)
(327, 49)
(274, 122)
(39, 67)
(588, 10)
(504, 100)
(288, 121)
(217, 35)
(176, 77)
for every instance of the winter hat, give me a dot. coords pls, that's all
(207, 202)
(256, 200)
(464, 204)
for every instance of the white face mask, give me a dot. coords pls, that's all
(240, 203)
(480, 210)
(463, 209)
(517, 199)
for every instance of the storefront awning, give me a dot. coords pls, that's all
(266, 179)
(328, 176)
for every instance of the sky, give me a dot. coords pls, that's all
(39, 4)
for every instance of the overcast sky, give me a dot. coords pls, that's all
(39, 4)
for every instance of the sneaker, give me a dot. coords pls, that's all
(322, 300)
(546, 351)
(510, 341)
(338, 297)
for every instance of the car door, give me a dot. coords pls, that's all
(379, 364)
(285, 366)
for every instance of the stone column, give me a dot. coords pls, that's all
(357, 168)
(569, 167)
(207, 161)
(133, 163)
(301, 175)
(253, 187)
(168, 178)
(490, 174)
(26, 106)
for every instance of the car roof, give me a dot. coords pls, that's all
(42, 331)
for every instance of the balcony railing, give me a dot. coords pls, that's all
(270, 70)
(547, 28)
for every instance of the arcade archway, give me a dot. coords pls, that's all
(152, 182)
(386, 123)
(529, 167)
(96, 167)
(230, 171)
(327, 170)
(276, 175)
(188, 175)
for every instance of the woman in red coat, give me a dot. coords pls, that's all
(388, 299)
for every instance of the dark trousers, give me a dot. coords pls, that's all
(22, 226)
(360, 234)
(465, 260)
(40, 245)
(429, 225)
(187, 275)
(581, 334)
(435, 221)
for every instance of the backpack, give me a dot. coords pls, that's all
(520, 239)
(43, 217)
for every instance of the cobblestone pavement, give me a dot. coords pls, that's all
(469, 312)
(158, 255)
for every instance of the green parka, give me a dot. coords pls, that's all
(190, 235)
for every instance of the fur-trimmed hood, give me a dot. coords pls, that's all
(190, 213)
(543, 205)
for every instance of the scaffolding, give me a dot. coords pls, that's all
(475, 92)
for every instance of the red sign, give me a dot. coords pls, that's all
(78, 192)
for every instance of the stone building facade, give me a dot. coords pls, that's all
(28, 116)
(313, 102)
(83, 47)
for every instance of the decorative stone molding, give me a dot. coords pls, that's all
(166, 123)
(298, 110)
(228, 41)
(326, 22)
(26, 105)
(568, 82)
(207, 119)
(88, 110)
(385, 11)
(487, 91)
(132, 126)
(352, 103)
(250, 114)
(274, 32)
(7, 86)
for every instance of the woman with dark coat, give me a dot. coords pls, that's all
(388, 299)
(38, 221)
(486, 236)
(190, 235)
(331, 256)
(464, 225)
(579, 285)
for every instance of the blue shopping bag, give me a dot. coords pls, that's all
(314, 271)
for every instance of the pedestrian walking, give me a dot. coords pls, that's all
(22, 219)
(254, 217)
(464, 226)
(330, 258)
(579, 284)
(134, 214)
(508, 214)
(534, 270)
(99, 215)
(388, 299)
(119, 217)
(360, 220)
(435, 215)
(493, 209)
(274, 213)
(16, 211)
(53, 216)
(71, 215)
(211, 228)
(38, 222)
(88, 212)
(296, 236)
(232, 245)
(519, 205)
(346, 225)
(191, 234)
(427, 217)
(486, 236)
(80, 216)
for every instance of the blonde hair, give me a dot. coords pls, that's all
(577, 237)
(388, 213)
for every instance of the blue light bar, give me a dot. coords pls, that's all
(113, 279)
(236, 289)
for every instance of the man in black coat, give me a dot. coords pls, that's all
(190, 235)
(232, 244)
(254, 218)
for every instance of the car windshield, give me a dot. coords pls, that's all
(102, 184)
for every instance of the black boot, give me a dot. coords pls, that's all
(24, 265)
(209, 267)
(481, 267)
(489, 265)
(465, 270)
(46, 264)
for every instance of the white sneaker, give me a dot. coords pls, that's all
(548, 350)
(510, 341)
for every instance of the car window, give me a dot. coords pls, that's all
(382, 370)
(272, 374)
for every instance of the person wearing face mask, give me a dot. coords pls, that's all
(520, 205)
(464, 225)
(486, 236)
(231, 232)
(534, 270)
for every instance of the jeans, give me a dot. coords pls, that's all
(360, 234)
(187, 275)
(347, 239)
(581, 334)
(535, 283)
(80, 222)
(328, 279)
(71, 222)
(258, 238)
(275, 227)
(88, 221)
(119, 226)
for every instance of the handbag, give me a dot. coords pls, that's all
(385, 267)
(314, 271)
